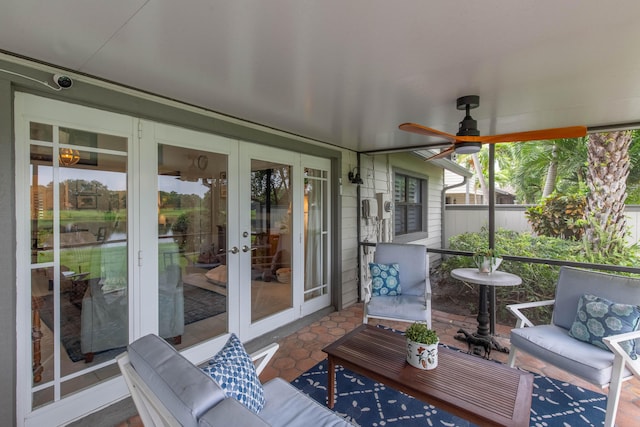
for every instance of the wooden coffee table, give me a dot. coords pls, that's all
(479, 390)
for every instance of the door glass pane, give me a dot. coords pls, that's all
(271, 269)
(192, 229)
(79, 261)
(315, 234)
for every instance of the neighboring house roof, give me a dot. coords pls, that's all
(452, 178)
(448, 165)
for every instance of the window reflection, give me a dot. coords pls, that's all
(271, 269)
(192, 229)
(79, 280)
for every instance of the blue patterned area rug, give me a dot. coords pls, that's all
(365, 402)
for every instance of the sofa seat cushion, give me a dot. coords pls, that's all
(228, 413)
(287, 406)
(554, 345)
(409, 307)
(182, 387)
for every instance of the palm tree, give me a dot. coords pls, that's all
(538, 168)
(609, 165)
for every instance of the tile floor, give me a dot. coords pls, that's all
(303, 349)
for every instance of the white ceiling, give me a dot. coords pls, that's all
(348, 72)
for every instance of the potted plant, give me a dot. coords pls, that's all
(422, 346)
(487, 260)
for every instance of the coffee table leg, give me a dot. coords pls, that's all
(331, 382)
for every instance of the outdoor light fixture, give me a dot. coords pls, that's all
(354, 177)
(68, 156)
(468, 147)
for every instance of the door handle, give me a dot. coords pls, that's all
(234, 250)
(246, 248)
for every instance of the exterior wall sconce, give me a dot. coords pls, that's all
(354, 177)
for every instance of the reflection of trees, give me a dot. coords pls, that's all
(189, 218)
(270, 185)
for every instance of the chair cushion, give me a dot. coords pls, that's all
(598, 317)
(233, 370)
(385, 279)
(185, 391)
(407, 307)
(230, 412)
(287, 406)
(574, 282)
(414, 264)
(554, 345)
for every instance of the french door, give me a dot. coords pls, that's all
(128, 227)
(284, 231)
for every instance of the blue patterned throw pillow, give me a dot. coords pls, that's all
(235, 373)
(385, 279)
(598, 317)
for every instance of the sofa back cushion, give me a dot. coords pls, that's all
(574, 282)
(183, 388)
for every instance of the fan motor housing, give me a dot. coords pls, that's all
(468, 126)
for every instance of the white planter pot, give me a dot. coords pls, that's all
(487, 264)
(422, 356)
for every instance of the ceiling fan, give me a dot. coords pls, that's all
(468, 139)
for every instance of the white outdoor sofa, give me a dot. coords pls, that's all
(168, 390)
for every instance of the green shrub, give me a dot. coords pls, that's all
(538, 280)
(558, 216)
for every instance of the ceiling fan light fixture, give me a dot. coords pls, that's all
(68, 156)
(468, 147)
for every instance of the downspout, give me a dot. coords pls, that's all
(358, 233)
(443, 199)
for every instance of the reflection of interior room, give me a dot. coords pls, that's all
(192, 223)
(192, 273)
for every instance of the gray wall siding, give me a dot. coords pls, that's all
(349, 241)
(377, 174)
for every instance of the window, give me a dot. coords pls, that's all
(409, 214)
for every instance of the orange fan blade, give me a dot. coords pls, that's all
(441, 154)
(423, 130)
(536, 135)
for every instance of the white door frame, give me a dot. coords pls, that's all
(143, 137)
(33, 108)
